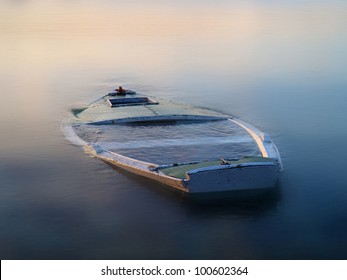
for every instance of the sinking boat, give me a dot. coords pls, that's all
(194, 150)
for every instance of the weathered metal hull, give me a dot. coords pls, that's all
(234, 179)
(252, 174)
(217, 179)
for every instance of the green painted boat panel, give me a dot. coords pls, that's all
(180, 171)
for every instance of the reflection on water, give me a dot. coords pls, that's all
(281, 67)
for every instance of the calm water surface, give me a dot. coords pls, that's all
(281, 67)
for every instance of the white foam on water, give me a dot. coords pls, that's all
(71, 136)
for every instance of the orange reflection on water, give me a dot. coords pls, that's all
(41, 44)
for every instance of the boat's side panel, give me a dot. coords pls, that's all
(243, 178)
(129, 164)
(173, 182)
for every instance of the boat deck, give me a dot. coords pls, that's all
(101, 111)
(179, 171)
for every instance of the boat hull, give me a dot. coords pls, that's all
(255, 176)
(200, 177)
(234, 179)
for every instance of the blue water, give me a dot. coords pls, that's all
(281, 67)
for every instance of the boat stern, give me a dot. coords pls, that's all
(233, 178)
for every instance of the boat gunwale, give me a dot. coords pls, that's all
(159, 118)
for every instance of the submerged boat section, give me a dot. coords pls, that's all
(195, 150)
